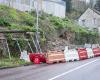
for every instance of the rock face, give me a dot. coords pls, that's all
(65, 38)
(58, 44)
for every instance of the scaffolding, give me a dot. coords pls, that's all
(16, 39)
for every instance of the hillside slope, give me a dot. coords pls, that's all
(14, 19)
(55, 32)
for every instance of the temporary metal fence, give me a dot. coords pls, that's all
(17, 40)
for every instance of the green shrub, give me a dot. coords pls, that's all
(26, 19)
(4, 22)
(14, 16)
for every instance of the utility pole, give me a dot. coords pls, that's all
(38, 8)
(37, 25)
(9, 3)
(37, 13)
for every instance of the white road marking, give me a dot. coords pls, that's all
(73, 70)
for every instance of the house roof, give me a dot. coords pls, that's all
(94, 10)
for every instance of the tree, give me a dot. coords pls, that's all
(68, 5)
(79, 5)
(97, 6)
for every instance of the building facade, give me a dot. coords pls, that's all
(90, 18)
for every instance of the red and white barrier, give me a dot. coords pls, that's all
(71, 55)
(96, 52)
(90, 52)
(24, 56)
(82, 53)
(95, 46)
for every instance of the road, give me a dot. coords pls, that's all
(81, 70)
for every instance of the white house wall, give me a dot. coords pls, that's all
(54, 8)
(59, 10)
(48, 7)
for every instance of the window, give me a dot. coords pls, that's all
(94, 20)
(83, 22)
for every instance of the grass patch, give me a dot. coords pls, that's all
(14, 62)
(14, 19)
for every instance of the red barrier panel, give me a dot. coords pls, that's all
(31, 56)
(82, 53)
(40, 57)
(36, 61)
(96, 52)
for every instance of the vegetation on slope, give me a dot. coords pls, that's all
(14, 19)
(49, 25)
(82, 35)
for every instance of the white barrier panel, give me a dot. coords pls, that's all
(71, 55)
(87, 46)
(90, 52)
(95, 45)
(25, 56)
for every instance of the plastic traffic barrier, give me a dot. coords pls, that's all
(24, 56)
(90, 52)
(55, 57)
(95, 45)
(36, 60)
(87, 46)
(96, 52)
(82, 53)
(71, 55)
(37, 56)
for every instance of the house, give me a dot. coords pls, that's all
(90, 18)
(54, 7)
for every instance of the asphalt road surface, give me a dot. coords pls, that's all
(81, 70)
